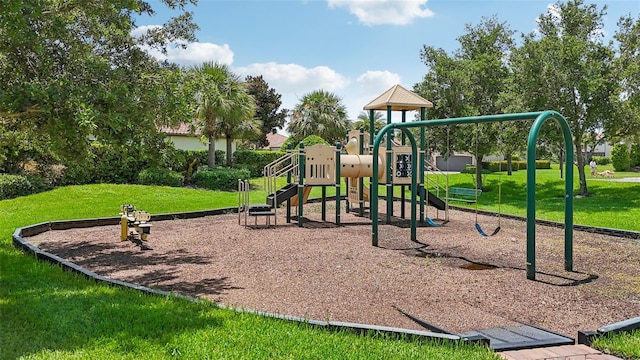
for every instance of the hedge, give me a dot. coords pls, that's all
(160, 176)
(220, 178)
(601, 160)
(255, 160)
(12, 186)
(620, 157)
(494, 166)
(634, 155)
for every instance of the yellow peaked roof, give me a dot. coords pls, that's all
(398, 98)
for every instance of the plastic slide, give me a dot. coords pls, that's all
(305, 196)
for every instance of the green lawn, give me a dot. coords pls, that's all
(606, 197)
(48, 313)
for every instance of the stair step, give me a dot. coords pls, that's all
(260, 208)
(262, 213)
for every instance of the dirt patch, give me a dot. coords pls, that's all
(452, 278)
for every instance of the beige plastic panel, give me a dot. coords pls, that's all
(320, 165)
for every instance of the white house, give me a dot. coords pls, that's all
(182, 139)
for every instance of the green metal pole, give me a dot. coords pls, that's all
(414, 184)
(430, 123)
(338, 181)
(531, 192)
(421, 185)
(389, 169)
(324, 203)
(402, 187)
(288, 182)
(361, 180)
(301, 166)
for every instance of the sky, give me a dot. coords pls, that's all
(356, 49)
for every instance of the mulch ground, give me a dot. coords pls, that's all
(452, 277)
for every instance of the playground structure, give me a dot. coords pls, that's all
(395, 165)
(135, 225)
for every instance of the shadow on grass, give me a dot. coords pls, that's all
(550, 196)
(123, 256)
(45, 309)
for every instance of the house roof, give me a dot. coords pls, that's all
(182, 129)
(275, 140)
(398, 98)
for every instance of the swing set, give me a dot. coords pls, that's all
(477, 225)
(539, 119)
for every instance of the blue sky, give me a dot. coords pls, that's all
(356, 49)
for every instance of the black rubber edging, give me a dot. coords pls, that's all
(20, 242)
(625, 326)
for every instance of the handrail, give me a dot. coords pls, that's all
(243, 200)
(283, 165)
(430, 183)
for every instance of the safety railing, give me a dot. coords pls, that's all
(434, 185)
(282, 166)
(243, 200)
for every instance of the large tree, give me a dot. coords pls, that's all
(627, 67)
(319, 113)
(469, 83)
(363, 121)
(268, 111)
(224, 107)
(566, 66)
(73, 70)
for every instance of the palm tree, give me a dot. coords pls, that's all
(363, 121)
(319, 113)
(223, 106)
(240, 122)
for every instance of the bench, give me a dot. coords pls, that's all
(463, 194)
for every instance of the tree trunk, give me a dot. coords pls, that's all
(211, 157)
(229, 140)
(561, 161)
(479, 171)
(509, 164)
(580, 163)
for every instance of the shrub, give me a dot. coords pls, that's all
(634, 155)
(255, 160)
(501, 165)
(14, 185)
(38, 183)
(543, 164)
(471, 169)
(220, 178)
(602, 160)
(160, 176)
(620, 157)
(308, 141)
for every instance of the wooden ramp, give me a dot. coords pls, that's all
(564, 352)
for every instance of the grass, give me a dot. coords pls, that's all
(626, 345)
(606, 197)
(48, 313)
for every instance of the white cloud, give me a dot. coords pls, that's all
(372, 84)
(390, 12)
(193, 54)
(141, 30)
(292, 81)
